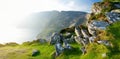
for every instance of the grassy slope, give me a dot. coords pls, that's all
(25, 51)
(114, 29)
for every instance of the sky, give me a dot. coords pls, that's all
(14, 12)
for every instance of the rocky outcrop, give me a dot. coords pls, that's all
(87, 34)
(60, 43)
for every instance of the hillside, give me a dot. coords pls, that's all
(58, 20)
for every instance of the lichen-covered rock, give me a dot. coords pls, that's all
(113, 16)
(77, 31)
(96, 25)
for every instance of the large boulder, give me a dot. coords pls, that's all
(56, 37)
(113, 16)
(91, 39)
(96, 25)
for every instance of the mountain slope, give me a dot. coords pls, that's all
(59, 20)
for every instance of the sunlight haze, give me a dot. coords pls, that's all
(14, 12)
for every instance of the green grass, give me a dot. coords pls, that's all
(24, 51)
(114, 30)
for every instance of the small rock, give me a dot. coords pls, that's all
(35, 52)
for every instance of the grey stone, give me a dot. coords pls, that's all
(80, 40)
(66, 44)
(77, 31)
(105, 42)
(96, 25)
(113, 17)
(42, 41)
(35, 52)
(91, 39)
(59, 49)
(56, 37)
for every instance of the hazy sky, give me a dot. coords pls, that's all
(13, 12)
